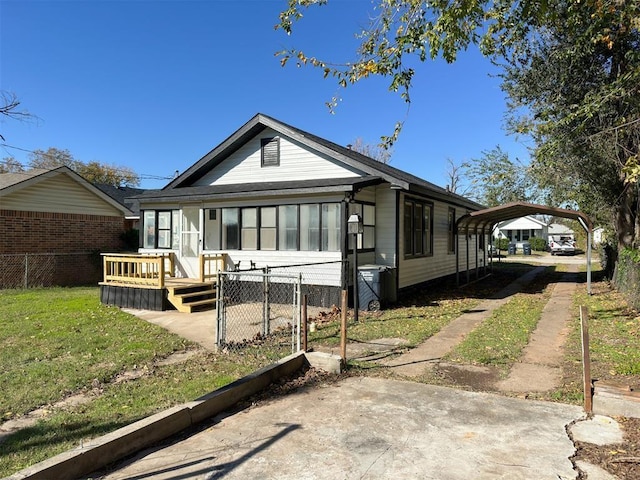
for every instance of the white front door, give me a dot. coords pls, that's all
(190, 247)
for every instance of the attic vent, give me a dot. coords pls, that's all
(270, 151)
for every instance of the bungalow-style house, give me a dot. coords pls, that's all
(520, 230)
(272, 195)
(53, 223)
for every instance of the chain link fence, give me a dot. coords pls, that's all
(259, 310)
(30, 270)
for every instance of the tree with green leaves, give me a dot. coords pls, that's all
(94, 172)
(570, 68)
(495, 179)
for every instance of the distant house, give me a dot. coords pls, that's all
(274, 195)
(521, 230)
(53, 224)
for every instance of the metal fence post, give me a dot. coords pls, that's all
(26, 270)
(298, 310)
(266, 310)
(220, 311)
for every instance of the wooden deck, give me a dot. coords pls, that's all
(147, 282)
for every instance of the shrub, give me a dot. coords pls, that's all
(502, 244)
(538, 244)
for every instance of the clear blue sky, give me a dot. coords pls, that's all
(154, 85)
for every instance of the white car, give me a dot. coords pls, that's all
(562, 244)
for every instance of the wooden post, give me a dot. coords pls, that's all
(304, 323)
(586, 361)
(343, 328)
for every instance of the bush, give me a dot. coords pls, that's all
(502, 244)
(538, 244)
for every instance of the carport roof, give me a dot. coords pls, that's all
(490, 216)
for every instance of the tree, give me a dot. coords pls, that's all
(382, 155)
(454, 175)
(10, 165)
(575, 88)
(496, 179)
(571, 70)
(94, 172)
(9, 104)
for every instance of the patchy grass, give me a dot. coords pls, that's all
(421, 313)
(500, 339)
(614, 340)
(54, 342)
(118, 405)
(58, 342)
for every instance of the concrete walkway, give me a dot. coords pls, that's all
(415, 361)
(539, 368)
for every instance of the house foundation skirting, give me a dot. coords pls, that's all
(138, 298)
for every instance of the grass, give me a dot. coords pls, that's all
(422, 313)
(500, 339)
(58, 342)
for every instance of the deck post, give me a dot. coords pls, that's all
(161, 272)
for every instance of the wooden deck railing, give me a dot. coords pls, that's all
(138, 269)
(150, 270)
(211, 264)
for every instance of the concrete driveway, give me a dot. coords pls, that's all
(372, 428)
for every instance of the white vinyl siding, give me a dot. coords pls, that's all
(59, 194)
(385, 253)
(442, 263)
(296, 163)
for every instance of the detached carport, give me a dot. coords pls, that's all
(482, 222)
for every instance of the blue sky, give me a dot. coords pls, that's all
(154, 85)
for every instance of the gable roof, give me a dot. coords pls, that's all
(526, 218)
(374, 170)
(126, 196)
(13, 182)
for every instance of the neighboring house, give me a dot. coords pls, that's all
(273, 195)
(53, 222)
(520, 230)
(559, 229)
(126, 196)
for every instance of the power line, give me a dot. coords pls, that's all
(142, 176)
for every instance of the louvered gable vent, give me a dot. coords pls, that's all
(270, 151)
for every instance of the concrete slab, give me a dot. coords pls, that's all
(599, 430)
(373, 428)
(199, 327)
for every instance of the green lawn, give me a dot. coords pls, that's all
(62, 341)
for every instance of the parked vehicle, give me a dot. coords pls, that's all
(562, 244)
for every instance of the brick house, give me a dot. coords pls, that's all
(54, 224)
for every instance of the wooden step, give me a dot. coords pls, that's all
(193, 297)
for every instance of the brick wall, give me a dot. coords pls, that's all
(61, 246)
(48, 232)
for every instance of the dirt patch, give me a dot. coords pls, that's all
(476, 377)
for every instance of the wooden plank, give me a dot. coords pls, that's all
(586, 360)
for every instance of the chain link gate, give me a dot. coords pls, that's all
(259, 311)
